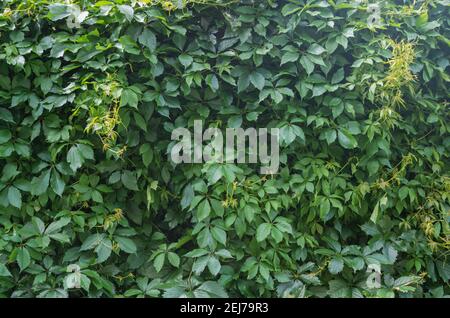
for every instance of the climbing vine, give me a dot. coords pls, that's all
(92, 206)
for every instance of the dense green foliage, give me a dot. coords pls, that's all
(90, 92)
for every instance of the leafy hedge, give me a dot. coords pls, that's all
(90, 205)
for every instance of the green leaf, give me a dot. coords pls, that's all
(185, 59)
(57, 225)
(403, 192)
(39, 225)
(422, 19)
(14, 197)
(127, 11)
(46, 84)
(276, 234)
(283, 225)
(158, 262)
(235, 121)
(84, 55)
(129, 97)
(140, 121)
(318, 90)
(5, 135)
(243, 82)
(86, 151)
(129, 180)
(174, 259)
(214, 266)
(96, 196)
(92, 241)
(263, 231)
(146, 152)
(338, 76)
(316, 49)
(23, 258)
(375, 212)
(40, 184)
(188, 196)
(219, 235)
(200, 264)
(324, 208)
(290, 57)
(6, 116)
(4, 272)
(339, 289)
(346, 139)
(257, 80)
(211, 80)
(58, 11)
(57, 183)
(103, 250)
(336, 265)
(148, 39)
(75, 158)
(125, 244)
(307, 64)
(203, 210)
(210, 289)
(330, 136)
(372, 167)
